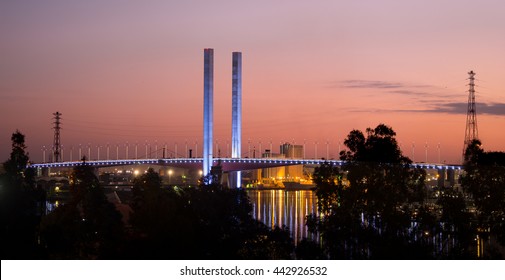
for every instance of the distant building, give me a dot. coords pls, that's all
(282, 173)
(291, 151)
(293, 172)
(274, 172)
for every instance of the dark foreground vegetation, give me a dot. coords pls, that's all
(375, 207)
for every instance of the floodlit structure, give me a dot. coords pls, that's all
(208, 111)
(236, 116)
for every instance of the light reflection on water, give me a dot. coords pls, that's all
(284, 208)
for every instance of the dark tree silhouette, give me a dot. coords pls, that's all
(484, 180)
(22, 204)
(370, 210)
(209, 221)
(455, 223)
(329, 187)
(88, 226)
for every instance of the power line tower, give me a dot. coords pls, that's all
(471, 131)
(56, 143)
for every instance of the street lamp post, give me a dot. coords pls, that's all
(44, 154)
(89, 151)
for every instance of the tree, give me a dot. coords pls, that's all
(455, 223)
(89, 225)
(369, 211)
(161, 221)
(484, 180)
(328, 180)
(380, 178)
(22, 204)
(209, 221)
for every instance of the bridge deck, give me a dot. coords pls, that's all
(228, 164)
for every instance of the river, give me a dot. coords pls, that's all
(284, 208)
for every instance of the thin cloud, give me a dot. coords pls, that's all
(434, 99)
(395, 88)
(411, 93)
(370, 84)
(497, 109)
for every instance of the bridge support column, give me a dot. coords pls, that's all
(236, 116)
(208, 97)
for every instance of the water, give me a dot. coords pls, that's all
(284, 208)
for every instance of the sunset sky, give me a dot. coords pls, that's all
(132, 71)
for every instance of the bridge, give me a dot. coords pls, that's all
(237, 162)
(227, 164)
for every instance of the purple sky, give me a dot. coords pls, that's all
(133, 71)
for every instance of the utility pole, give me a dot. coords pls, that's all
(471, 131)
(57, 140)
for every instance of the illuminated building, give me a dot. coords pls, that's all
(293, 172)
(284, 173)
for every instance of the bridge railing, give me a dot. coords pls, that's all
(262, 161)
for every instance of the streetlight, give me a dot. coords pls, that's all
(127, 146)
(156, 148)
(217, 148)
(261, 151)
(413, 151)
(426, 151)
(136, 150)
(304, 142)
(438, 149)
(196, 148)
(146, 149)
(327, 149)
(44, 154)
(249, 148)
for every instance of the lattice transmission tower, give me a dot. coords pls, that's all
(471, 131)
(56, 142)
